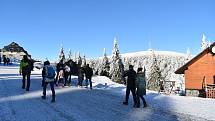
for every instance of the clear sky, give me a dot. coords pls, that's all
(88, 26)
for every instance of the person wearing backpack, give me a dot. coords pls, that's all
(141, 87)
(48, 73)
(25, 69)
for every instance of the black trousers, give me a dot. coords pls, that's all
(52, 89)
(89, 79)
(132, 89)
(67, 79)
(138, 99)
(28, 80)
(80, 80)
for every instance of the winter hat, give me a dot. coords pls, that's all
(130, 67)
(139, 69)
(46, 63)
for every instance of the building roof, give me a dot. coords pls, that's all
(14, 47)
(185, 66)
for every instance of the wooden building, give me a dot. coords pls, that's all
(199, 73)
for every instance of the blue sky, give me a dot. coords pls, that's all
(88, 26)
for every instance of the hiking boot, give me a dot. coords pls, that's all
(138, 106)
(125, 103)
(43, 97)
(145, 105)
(53, 100)
(135, 106)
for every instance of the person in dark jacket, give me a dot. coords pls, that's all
(48, 81)
(141, 86)
(0, 59)
(88, 74)
(8, 61)
(80, 76)
(26, 66)
(68, 72)
(131, 86)
(4, 60)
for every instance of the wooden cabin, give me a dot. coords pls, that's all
(199, 74)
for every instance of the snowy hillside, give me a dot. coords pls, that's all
(167, 61)
(103, 103)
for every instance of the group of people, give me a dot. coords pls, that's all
(136, 83)
(65, 70)
(59, 77)
(5, 59)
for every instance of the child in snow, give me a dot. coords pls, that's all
(61, 77)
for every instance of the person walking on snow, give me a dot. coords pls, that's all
(80, 76)
(49, 76)
(130, 85)
(141, 86)
(26, 66)
(88, 74)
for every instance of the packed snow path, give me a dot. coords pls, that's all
(77, 104)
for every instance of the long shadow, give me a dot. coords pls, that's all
(83, 104)
(8, 75)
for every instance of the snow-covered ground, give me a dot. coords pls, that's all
(103, 103)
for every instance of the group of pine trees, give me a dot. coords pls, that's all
(158, 67)
(114, 67)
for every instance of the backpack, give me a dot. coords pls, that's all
(50, 72)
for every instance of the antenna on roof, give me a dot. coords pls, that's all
(150, 45)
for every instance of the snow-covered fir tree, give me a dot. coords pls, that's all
(69, 55)
(204, 44)
(116, 67)
(61, 54)
(189, 55)
(167, 61)
(78, 59)
(104, 65)
(84, 62)
(154, 76)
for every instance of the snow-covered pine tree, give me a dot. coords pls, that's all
(189, 55)
(126, 63)
(204, 44)
(78, 59)
(84, 62)
(116, 67)
(61, 54)
(104, 65)
(154, 76)
(70, 55)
